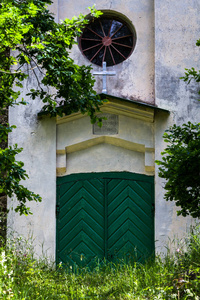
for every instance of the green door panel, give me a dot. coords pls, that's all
(80, 225)
(130, 222)
(104, 215)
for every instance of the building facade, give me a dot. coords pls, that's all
(145, 97)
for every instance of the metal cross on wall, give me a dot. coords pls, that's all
(105, 74)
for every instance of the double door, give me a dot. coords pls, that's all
(104, 215)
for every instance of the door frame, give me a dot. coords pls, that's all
(103, 175)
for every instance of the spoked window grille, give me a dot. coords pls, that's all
(107, 39)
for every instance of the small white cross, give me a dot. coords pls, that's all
(105, 73)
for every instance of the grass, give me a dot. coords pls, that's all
(176, 276)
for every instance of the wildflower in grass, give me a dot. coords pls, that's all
(3, 257)
(179, 251)
(3, 262)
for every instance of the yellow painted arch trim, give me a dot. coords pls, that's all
(107, 140)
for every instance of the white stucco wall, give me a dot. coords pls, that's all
(177, 27)
(38, 140)
(138, 68)
(129, 129)
(166, 35)
(102, 156)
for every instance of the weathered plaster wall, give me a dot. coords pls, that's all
(177, 27)
(134, 130)
(131, 150)
(54, 8)
(38, 139)
(105, 158)
(139, 67)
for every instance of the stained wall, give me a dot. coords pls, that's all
(166, 35)
(177, 27)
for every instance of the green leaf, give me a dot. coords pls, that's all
(43, 47)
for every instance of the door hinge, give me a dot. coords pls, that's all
(153, 208)
(57, 209)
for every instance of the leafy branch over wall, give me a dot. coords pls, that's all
(31, 42)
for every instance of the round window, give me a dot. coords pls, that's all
(107, 39)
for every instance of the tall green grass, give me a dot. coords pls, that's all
(175, 276)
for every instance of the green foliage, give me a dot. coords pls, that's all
(174, 276)
(33, 44)
(180, 166)
(12, 173)
(43, 47)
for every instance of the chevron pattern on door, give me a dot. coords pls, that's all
(104, 215)
(81, 221)
(130, 232)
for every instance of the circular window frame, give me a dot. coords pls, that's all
(110, 38)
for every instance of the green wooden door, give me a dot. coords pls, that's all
(107, 215)
(130, 219)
